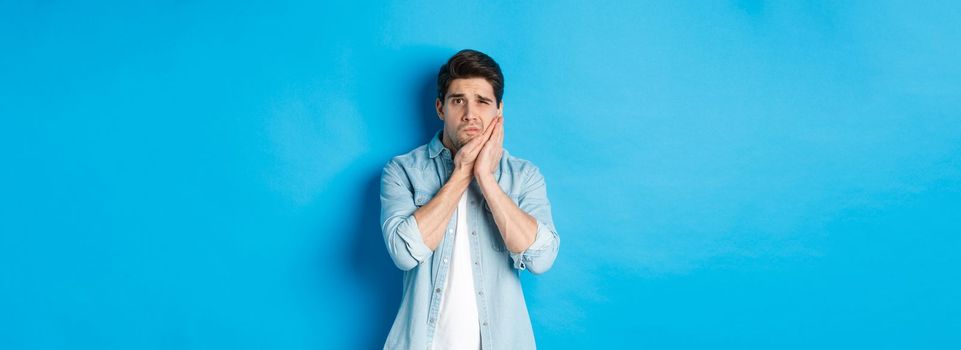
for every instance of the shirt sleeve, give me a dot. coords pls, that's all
(403, 238)
(539, 257)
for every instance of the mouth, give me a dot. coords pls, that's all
(471, 130)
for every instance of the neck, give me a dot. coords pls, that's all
(449, 144)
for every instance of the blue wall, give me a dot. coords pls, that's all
(736, 174)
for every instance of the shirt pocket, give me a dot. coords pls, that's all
(424, 188)
(422, 196)
(424, 192)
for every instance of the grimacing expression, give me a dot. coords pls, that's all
(467, 109)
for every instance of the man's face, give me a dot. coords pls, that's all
(467, 109)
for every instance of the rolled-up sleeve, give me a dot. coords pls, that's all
(403, 238)
(539, 257)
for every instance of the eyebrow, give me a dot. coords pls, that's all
(479, 97)
(482, 98)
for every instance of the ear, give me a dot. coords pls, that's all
(500, 109)
(440, 108)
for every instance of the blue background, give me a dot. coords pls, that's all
(733, 174)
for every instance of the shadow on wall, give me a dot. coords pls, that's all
(409, 80)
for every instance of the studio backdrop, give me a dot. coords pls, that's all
(723, 174)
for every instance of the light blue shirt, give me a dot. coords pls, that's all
(411, 180)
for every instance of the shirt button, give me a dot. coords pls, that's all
(485, 323)
(437, 290)
(473, 233)
(450, 231)
(475, 263)
(480, 293)
(445, 260)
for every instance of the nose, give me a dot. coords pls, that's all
(469, 113)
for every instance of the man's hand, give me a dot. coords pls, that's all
(517, 227)
(464, 160)
(493, 149)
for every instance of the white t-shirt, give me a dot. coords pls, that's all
(458, 326)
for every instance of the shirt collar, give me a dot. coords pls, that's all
(435, 147)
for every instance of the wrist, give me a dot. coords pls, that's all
(480, 171)
(485, 178)
(460, 173)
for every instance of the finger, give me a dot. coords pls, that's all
(474, 143)
(493, 140)
(479, 143)
(491, 127)
(490, 130)
(496, 137)
(471, 144)
(483, 137)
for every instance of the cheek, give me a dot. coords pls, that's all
(489, 117)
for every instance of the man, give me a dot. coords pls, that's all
(462, 217)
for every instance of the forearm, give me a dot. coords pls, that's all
(432, 218)
(516, 227)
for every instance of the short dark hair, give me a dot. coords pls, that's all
(469, 63)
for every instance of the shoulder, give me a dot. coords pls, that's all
(415, 158)
(519, 167)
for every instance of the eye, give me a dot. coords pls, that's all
(458, 100)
